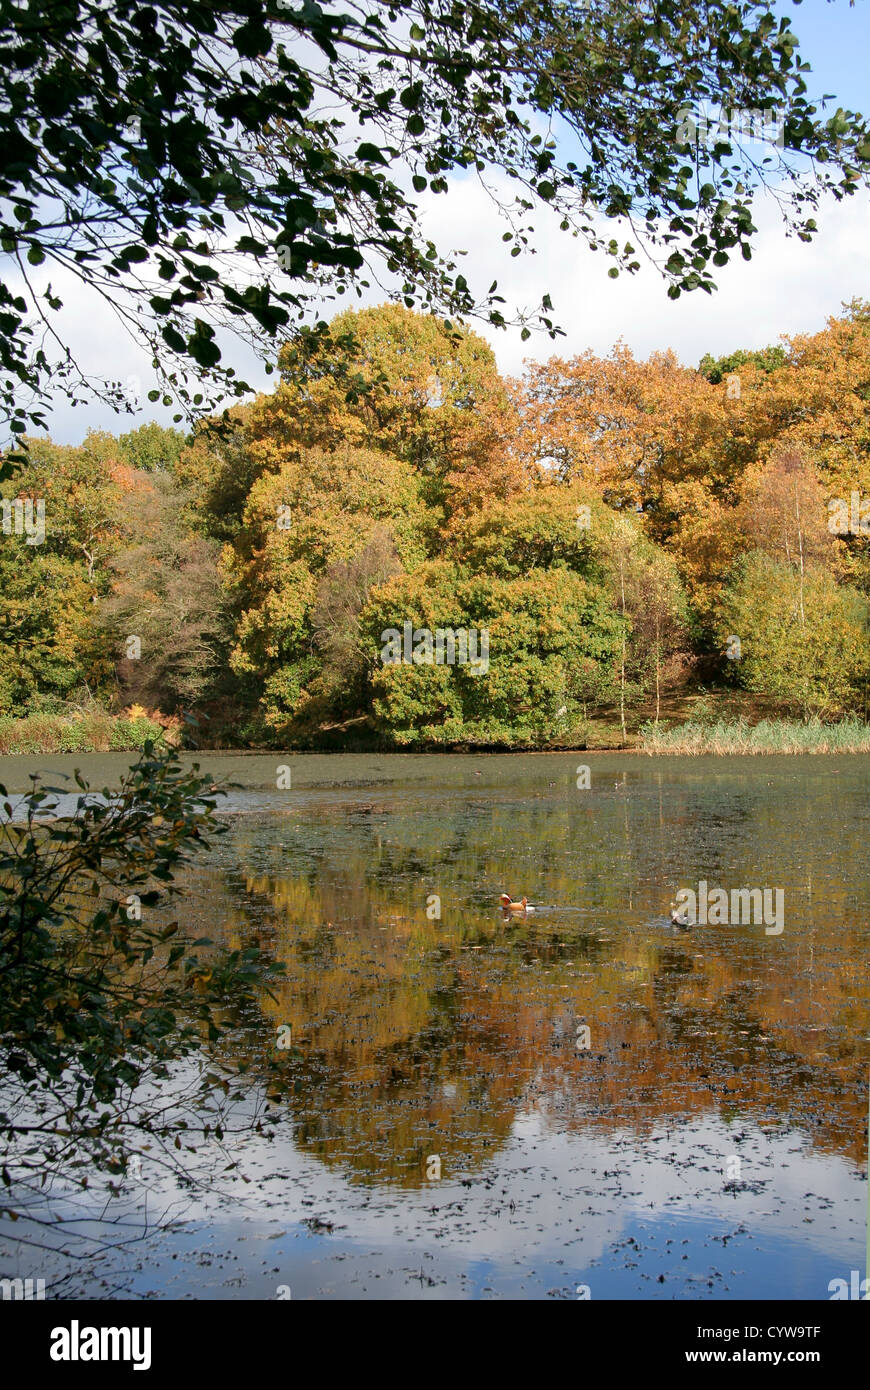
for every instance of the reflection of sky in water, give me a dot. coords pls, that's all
(549, 1212)
(456, 1036)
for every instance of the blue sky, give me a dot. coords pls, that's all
(835, 38)
(788, 287)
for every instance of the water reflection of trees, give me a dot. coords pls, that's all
(418, 1037)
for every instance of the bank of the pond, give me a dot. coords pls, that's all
(722, 734)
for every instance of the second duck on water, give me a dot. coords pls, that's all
(680, 916)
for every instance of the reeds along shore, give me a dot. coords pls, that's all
(94, 731)
(101, 732)
(731, 736)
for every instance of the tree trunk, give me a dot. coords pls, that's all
(658, 687)
(622, 664)
(801, 553)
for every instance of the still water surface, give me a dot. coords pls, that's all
(711, 1140)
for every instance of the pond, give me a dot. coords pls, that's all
(582, 1102)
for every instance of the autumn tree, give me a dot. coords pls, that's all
(784, 515)
(341, 596)
(317, 510)
(216, 471)
(659, 615)
(701, 534)
(816, 401)
(822, 404)
(693, 453)
(407, 383)
(646, 591)
(625, 428)
(166, 595)
(812, 406)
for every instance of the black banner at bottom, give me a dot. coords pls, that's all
(224, 1339)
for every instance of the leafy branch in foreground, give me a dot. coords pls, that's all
(102, 1000)
(205, 166)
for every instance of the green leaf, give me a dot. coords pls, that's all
(173, 338)
(411, 97)
(370, 154)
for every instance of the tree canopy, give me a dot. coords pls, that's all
(203, 167)
(603, 519)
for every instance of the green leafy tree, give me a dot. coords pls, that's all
(550, 527)
(768, 359)
(341, 596)
(45, 619)
(659, 616)
(646, 591)
(152, 447)
(804, 640)
(552, 641)
(49, 589)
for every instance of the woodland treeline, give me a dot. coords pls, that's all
(613, 524)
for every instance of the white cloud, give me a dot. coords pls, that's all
(788, 287)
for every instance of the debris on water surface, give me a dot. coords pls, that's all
(317, 1226)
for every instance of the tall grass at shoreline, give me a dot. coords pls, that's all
(97, 731)
(728, 736)
(93, 731)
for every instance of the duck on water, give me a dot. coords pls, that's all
(512, 909)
